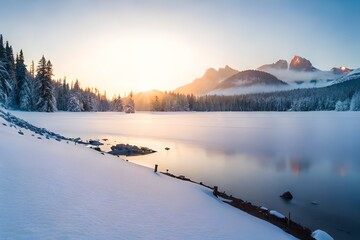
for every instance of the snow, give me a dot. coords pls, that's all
(276, 214)
(321, 235)
(355, 71)
(55, 190)
(350, 76)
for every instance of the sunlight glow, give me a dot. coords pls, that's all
(139, 61)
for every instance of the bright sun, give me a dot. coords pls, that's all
(140, 61)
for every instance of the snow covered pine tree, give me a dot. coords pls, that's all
(44, 88)
(23, 82)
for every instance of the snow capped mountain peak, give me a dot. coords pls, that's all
(341, 70)
(301, 64)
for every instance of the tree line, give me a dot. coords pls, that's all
(35, 89)
(340, 97)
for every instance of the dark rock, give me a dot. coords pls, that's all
(167, 148)
(287, 196)
(21, 133)
(130, 150)
(96, 148)
(95, 143)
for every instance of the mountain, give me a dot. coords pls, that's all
(208, 82)
(248, 81)
(297, 63)
(341, 70)
(302, 73)
(301, 64)
(281, 64)
(353, 75)
(275, 77)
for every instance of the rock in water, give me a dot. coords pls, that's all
(287, 196)
(130, 150)
(95, 143)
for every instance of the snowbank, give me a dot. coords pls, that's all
(58, 190)
(321, 235)
(277, 214)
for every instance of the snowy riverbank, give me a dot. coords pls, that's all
(52, 189)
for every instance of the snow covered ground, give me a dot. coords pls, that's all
(58, 190)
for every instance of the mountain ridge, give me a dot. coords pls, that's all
(299, 72)
(207, 82)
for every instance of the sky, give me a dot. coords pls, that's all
(122, 46)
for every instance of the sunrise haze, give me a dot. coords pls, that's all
(119, 46)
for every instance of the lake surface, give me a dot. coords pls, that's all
(255, 156)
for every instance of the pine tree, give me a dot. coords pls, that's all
(2, 51)
(32, 69)
(46, 101)
(130, 104)
(355, 102)
(74, 103)
(156, 105)
(5, 81)
(5, 87)
(10, 67)
(117, 104)
(63, 94)
(23, 95)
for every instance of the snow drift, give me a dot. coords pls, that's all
(58, 190)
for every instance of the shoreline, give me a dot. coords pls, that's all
(286, 224)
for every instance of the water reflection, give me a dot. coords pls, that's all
(300, 166)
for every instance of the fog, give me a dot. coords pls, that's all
(291, 76)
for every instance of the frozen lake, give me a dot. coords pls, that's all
(253, 156)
